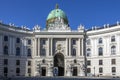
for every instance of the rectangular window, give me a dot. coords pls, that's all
(17, 70)
(5, 61)
(88, 70)
(73, 41)
(5, 38)
(29, 70)
(113, 69)
(17, 62)
(29, 42)
(100, 70)
(29, 63)
(5, 70)
(44, 41)
(73, 52)
(100, 62)
(88, 63)
(113, 61)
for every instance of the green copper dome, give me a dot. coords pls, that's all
(57, 13)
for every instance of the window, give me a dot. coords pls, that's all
(100, 51)
(43, 52)
(88, 63)
(5, 38)
(5, 50)
(17, 51)
(17, 62)
(5, 61)
(74, 41)
(29, 63)
(113, 69)
(88, 52)
(29, 70)
(100, 70)
(17, 40)
(113, 50)
(5, 71)
(100, 41)
(88, 70)
(29, 52)
(88, 42)
(29, 41)
(113, 61)
(17, 71)
(113, 39)
(73, 52)
(100, 62)
(44, 42)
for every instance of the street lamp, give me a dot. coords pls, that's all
(39, 69)
(94, 71)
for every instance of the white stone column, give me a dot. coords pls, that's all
(81, 48)
(78, 54)
(48, 48)
(38, 49)
(13, 47)
(22, 47)
(25, 47)
(10, 44)
(51, 46)
(35, 47)
(69, 46)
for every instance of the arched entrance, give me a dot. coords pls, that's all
(59, 62)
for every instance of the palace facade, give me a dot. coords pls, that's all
(59, 51)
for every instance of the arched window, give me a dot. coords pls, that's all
(88, 52)
(113, 50)
(100, 41)
(17, 51)
(29, 52)
(100, 51)
(73, 52)
(113, 39)
(17, 40)
(88, 42)
(5, 50)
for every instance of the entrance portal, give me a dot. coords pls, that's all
(59, 62)
(74, 71)
(43, 71)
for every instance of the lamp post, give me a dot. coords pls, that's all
(94, 71)
(39, 69)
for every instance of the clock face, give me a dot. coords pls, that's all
(59, 46)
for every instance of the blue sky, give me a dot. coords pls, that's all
(87, 12)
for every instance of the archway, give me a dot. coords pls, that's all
(59, 62)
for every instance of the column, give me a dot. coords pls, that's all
(1, 46)
(51, 46)
(35, 46)
(48, 48)
(25, 46)
(79, 47)
(69, 46)
(81, 52)
(13, 47)
(38, 45)
(67, 53)
(22, 47)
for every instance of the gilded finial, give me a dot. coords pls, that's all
(57, 6)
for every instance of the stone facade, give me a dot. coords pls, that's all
(58, 50)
